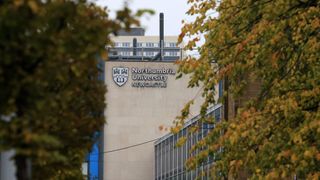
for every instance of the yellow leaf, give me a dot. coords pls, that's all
(181, 141)
(308, 154)
(104, 55)
(33, 6)
(258, 170)
(294, 158)
(18, 2)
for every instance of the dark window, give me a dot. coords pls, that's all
(220, 90)
(125, 44)
(148, 44)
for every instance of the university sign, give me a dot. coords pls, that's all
(143, 77)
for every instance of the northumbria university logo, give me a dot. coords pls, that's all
(120, 75)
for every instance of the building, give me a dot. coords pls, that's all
(143, 94)
(170, 159)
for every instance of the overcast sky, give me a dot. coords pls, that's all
(174, 13)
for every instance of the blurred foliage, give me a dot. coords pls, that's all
(51, 102)
(274, 42)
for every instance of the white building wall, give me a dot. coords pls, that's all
(134, 116)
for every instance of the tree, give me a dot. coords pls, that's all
(275, 135)
(51, 102)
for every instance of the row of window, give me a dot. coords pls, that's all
(170, 160)
(147, 53)
(147, 44)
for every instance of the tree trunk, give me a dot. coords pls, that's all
(23, 168)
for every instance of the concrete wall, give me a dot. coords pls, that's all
(134, 116)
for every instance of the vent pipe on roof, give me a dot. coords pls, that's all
(161, 43)
(134, 43)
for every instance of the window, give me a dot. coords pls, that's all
(180, 155)
(139, 53)
(157, 161)
(139, 44)
(171, 53)
(167, 142)
(171, 165)
(220, 91)
(148, 44)
(163, 159)
(217, 114)
(172, 44)
(175, 155)
(125, 44)
(184, 150)
(125, 53)
(150, 53)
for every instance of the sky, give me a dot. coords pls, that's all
(174, 13)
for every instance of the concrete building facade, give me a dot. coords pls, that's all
(142, 96)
